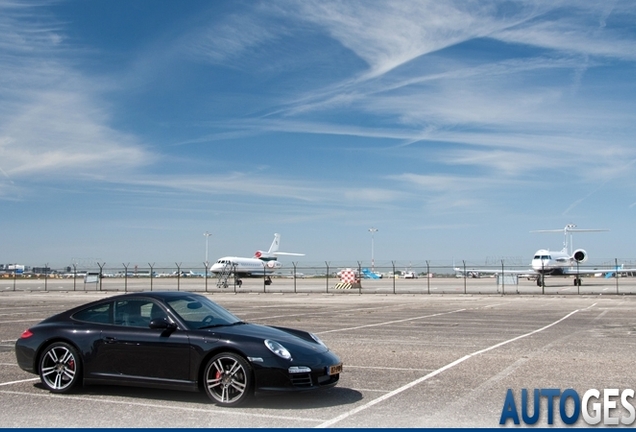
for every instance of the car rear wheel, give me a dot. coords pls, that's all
(60, 367)
(228, 379)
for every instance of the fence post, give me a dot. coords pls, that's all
(294, 264)
(206, 263)
(152, 273)
(125, 276)
(234, 277)
(464, 263)
(542, 277)
(616, 273)
(360, 278)
(264, 279)
(74, 276)
(327, 283)
(393, 264)
(46, 276)
(428, 277)
(503, 279)
(178, 276)
(101, 274)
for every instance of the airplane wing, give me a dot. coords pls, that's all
(494, 271)
(572, 271)
(566, 271)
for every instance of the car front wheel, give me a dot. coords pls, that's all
(228, 379)
(60, 367)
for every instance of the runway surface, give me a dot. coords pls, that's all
(410, 360)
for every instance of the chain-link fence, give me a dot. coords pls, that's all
(339, 278)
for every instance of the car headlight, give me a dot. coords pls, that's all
(278, 349)
(317, 339)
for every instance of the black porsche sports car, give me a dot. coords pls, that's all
(175, 340)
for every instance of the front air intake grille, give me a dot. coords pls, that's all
(301, 380)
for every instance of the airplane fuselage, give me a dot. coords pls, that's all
(556, 263)
(245, 266)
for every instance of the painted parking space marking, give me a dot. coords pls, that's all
(211, 410)
(436, 372)
(18, 382)
(391, 322)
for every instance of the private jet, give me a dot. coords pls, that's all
(554, 263)
(263, 264)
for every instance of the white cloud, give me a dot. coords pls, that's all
(389, 34)
(575, 31)
(226, 41)
(54, 122)
(61, 133)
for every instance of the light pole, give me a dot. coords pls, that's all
(372, 230)
(207, 236)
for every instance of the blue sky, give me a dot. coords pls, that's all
(128, 129)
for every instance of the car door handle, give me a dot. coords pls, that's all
(109, 339)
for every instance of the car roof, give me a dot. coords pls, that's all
(160, 295)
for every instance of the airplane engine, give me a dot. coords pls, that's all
(273, 264)
(580, 255)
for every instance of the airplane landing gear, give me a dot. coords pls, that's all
(577, 281)
(268, 280)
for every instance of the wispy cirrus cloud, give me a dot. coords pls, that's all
(52, 122)
(389, 34)
(227, 41)
(242, 184)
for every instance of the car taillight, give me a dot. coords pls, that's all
(26, 334)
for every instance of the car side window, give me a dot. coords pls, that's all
(100, 314)
(136, 312)
(191, 311)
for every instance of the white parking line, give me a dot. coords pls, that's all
(211, 410)
(331, 312)
(390, 322)
(434, 373)
(20, 321)
(387, 368)
(18, 382)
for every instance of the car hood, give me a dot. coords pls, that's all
(290, 338)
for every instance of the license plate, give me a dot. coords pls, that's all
(336, 369)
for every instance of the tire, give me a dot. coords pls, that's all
(60, 367)
(228, 379)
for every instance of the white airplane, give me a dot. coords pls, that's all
(555, 263)
(262, 264)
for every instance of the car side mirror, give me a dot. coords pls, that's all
(162, 323)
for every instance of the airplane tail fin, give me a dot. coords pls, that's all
(369, 274)
(610, 274)
(273, 252)
(275, 244)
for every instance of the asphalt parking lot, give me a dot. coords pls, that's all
(409, 360)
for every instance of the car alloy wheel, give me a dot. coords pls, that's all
(59, 367)
(228, 379)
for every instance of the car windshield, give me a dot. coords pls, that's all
(199, 312)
